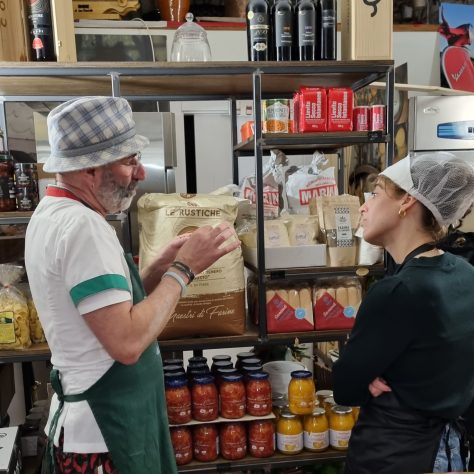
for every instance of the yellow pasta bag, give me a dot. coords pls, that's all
(14, 320)
(36, 330)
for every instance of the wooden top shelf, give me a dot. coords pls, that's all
(166, 80)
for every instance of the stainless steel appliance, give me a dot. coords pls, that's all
(443, 123)
(159, 160)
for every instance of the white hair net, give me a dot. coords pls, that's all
(439, 180)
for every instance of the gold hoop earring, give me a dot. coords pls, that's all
(402, 212)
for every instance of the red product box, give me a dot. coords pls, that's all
(377, 118)
(330, 314)
(283, 317)
(312, 109)
(340, 100)
(361, 118)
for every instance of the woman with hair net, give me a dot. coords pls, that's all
(409, 361)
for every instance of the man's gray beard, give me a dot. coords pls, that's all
(113, 197)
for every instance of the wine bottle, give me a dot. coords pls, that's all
(282, 15)
(328, 29)
(305, 12)
(258, 30)
(41, 30)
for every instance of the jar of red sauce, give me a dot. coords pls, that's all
(205, 400)
(205, 442)
(182, 442)
(259, 394)
(232, 396)
(233, 440)
(261, 438)
(178, 401)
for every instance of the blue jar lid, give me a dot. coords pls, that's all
(232, 378)
(203, 379)
(257, 375)
(175, 382)
(301, 374)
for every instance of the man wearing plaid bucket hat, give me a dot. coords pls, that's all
(409, 360)
(108, 413)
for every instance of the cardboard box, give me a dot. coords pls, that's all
(10, 454)
(288, 257)
(366, 30)
(7, 387)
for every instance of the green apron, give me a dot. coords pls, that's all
(129, 406)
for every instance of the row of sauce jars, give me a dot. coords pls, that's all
(232, 441)
(204, 400)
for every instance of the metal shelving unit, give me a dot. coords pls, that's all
(213, 81)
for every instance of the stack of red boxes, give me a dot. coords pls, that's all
(317, 109)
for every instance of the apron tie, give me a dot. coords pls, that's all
(49, 465)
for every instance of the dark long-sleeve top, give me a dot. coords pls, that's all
(416, 330)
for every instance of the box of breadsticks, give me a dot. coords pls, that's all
(289, 307)
(336, 302)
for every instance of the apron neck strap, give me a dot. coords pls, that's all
(417, 251)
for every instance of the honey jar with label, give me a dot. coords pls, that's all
(316, 431)
(341, 423)
(301, 393)
(289, 433)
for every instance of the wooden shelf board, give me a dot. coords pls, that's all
(185, 80)
(34, 352)
(278, 459)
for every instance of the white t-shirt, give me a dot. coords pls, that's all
(75, 265)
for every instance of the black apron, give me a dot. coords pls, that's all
(128, 403)
(390, 438)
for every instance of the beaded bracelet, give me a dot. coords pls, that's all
(178, 278)
(185, 269)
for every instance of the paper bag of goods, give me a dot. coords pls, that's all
(336, 302)
(306, 182)
(14, 324)
(302, 229)
(289, 308)
(274, 195)
(338, 218)
(214, 304)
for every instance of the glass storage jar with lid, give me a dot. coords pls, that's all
(289, 433)
(190, 42)
(316, 430)
(205, 406)
(341, 423)
(258, 394)
(301, 393)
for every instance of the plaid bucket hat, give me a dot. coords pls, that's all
(91, 132)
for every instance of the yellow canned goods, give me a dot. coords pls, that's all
(301, 392)
(289, 433)
(322, 394)
(275, 115)
(316, 431)
(340, 427)
(328, 403)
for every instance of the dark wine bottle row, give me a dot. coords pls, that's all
(301, 30)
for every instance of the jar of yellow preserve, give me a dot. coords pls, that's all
(301, 392)
(289, 433)
(341, 423)
(316, 431)
(328, 403)
(323, 394)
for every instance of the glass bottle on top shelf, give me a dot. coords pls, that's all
(328, 30)
(282, 27)
(258, 30)
(305, 21)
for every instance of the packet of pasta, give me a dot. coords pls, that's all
(14, 320)
(36, 330)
